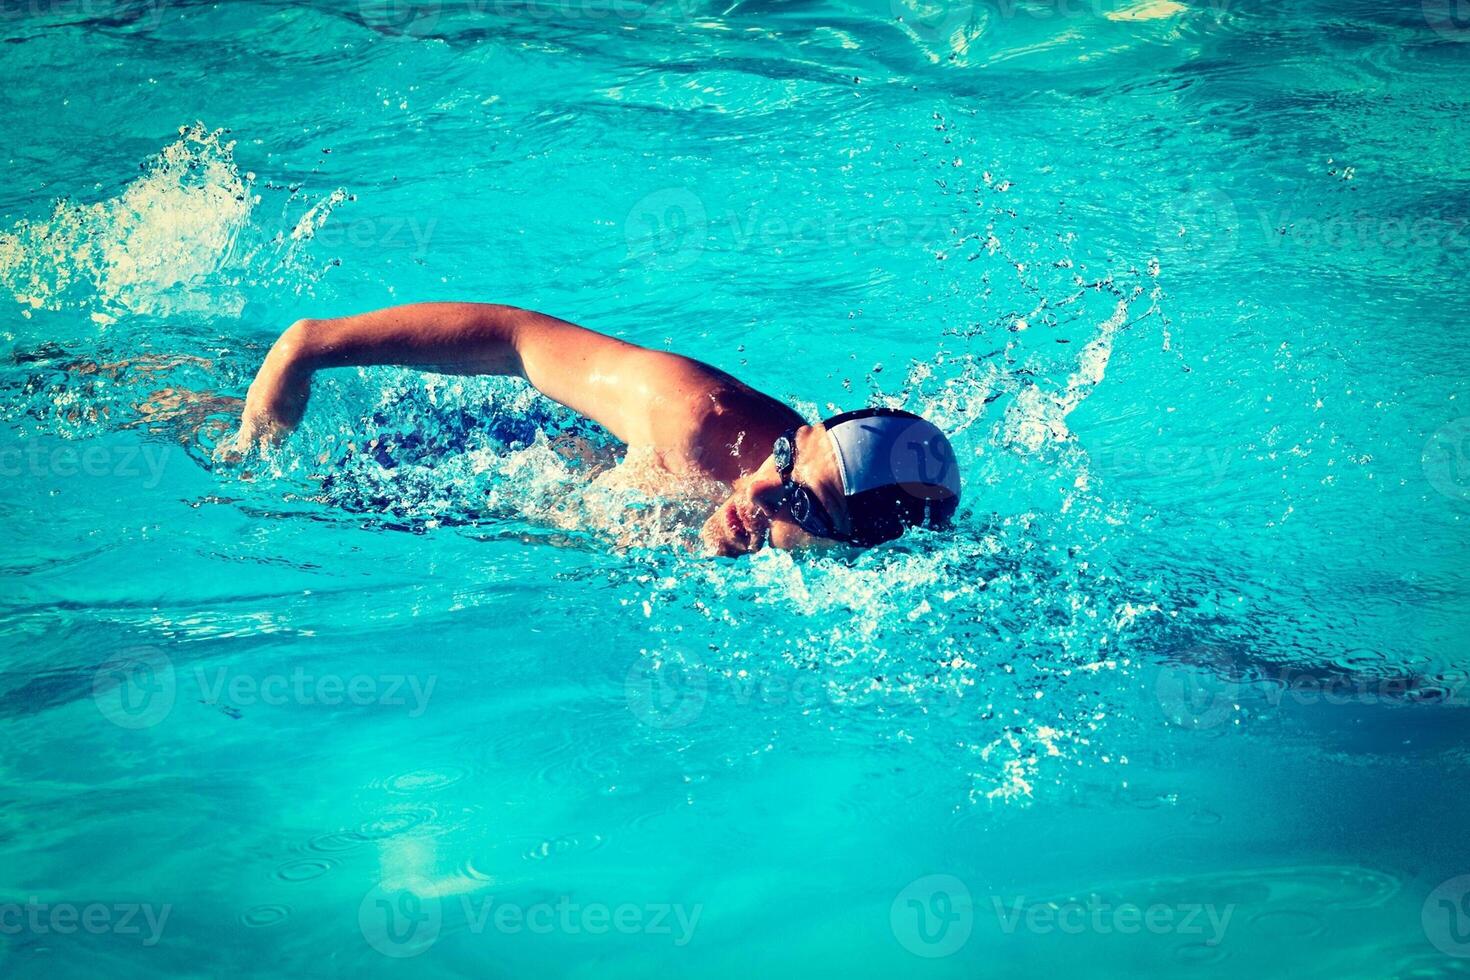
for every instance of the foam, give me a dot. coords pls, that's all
(182, 238)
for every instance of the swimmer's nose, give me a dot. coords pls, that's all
(765, 490)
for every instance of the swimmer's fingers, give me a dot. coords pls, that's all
(229, 450)
(233, 450)
(254, 436)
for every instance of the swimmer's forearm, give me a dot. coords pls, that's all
(463, 338)
(448, 338)
(643, 397)
(589, 372)
(584, 370)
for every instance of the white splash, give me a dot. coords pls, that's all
(143, 250)
(1036, 417)
(178, 239)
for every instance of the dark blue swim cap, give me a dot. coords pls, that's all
(898, 471)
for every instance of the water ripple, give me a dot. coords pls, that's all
(265, 916)
(305, 870)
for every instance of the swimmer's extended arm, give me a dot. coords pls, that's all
(643, 397)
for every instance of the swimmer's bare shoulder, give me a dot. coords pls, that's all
(697, 419)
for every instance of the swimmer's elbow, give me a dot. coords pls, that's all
(296, 346)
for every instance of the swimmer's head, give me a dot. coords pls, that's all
(860, 478)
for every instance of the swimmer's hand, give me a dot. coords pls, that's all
(276, 400)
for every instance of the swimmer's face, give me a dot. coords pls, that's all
(755, 515)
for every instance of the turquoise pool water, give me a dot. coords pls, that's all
(1185, 691)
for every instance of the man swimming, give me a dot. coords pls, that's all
(859, 478)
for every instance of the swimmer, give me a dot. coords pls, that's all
(859, 478)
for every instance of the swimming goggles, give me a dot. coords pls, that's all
(799, 500)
